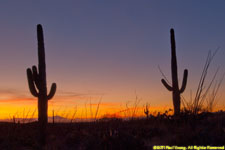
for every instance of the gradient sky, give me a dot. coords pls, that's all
(108, 50)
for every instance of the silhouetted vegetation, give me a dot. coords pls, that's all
(175, 86)
(37, 85)
(205, 96)
(120, 134)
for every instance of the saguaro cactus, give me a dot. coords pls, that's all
(146, 111)
(37, 83)
(175, 86)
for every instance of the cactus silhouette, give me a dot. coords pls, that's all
(175, 86)
(146, 111)
(37, 84)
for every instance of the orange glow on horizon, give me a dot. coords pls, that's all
(27, 108)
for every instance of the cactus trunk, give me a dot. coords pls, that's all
(175, 86)
(42, 98)
(176, 102)
(38, 87)
(176, 93)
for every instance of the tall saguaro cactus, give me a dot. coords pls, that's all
(37, 83)
(175, 86)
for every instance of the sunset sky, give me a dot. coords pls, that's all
(107, 51)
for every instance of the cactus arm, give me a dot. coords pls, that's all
(184, 83)
(36, 77)
(52, 91)
(31, 83)
(166, 85)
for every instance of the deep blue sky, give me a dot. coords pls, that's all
(110, 48)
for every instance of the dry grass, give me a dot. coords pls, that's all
(205, 96)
